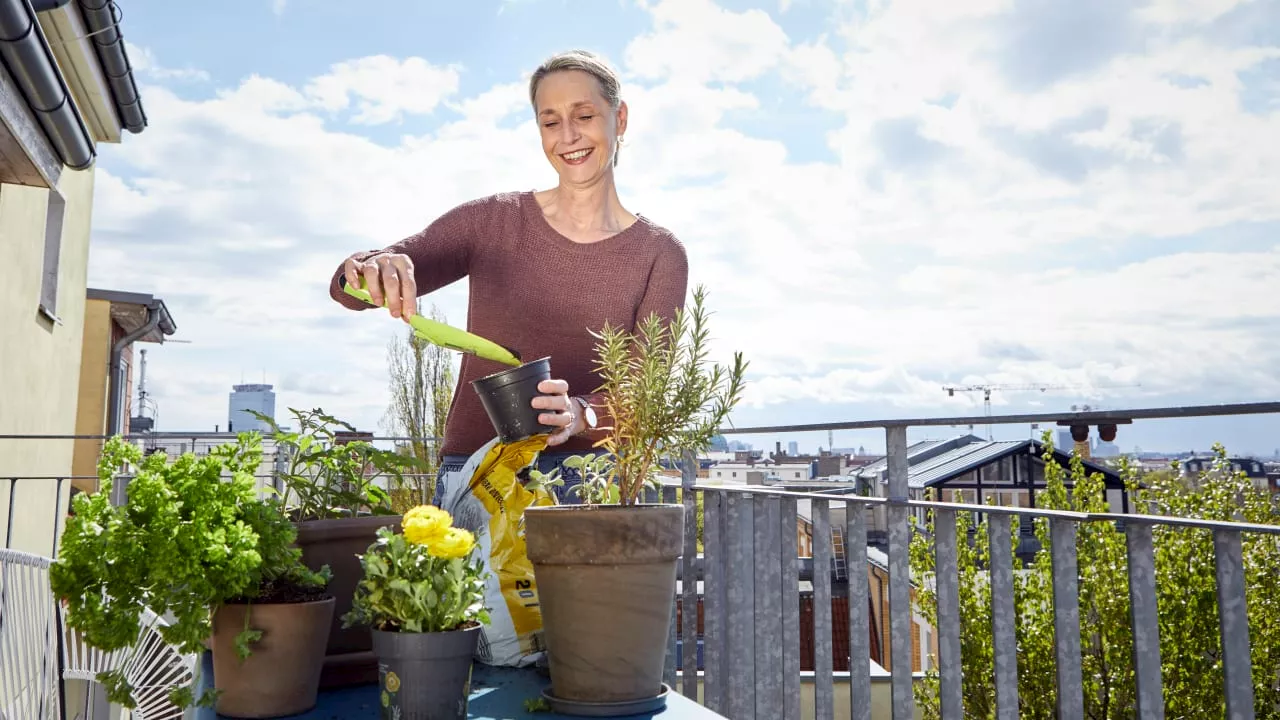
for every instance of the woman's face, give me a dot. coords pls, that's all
(579, 129)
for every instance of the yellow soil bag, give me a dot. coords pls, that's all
(487, 498)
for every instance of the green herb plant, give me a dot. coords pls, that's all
(426, 578)
(665, 398)
(192, 535)
(326, 476)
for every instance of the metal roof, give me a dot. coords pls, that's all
(960, 461)
(968, 458)
(925, 449)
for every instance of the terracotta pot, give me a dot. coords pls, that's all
(282, 675)
(349, 658)
(606, 576)
(425, 676)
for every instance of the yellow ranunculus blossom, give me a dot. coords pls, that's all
(456, 543)
(425, 524)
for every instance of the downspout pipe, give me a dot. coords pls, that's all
(26, 54)
(115, 396)
(102, 18)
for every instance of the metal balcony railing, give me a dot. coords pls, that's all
(750, 571)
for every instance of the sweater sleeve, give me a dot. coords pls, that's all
(441, 253)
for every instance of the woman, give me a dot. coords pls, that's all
(546, 267)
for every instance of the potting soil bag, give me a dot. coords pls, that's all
(487, 498)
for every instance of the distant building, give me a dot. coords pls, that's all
(793, 448)
(1008, 472)
(1252, 469)
(256, 397)
(759, 473)
(113, 322)
(1103, 449)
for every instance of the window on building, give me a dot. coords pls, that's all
(54, 214)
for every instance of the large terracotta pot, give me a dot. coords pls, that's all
(349, 658)
(606, 576)
(282, 675)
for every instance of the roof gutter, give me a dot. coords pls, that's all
(157, 317)
(103, 20)
(26, 54)
(115, 394)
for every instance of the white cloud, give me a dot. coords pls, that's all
(698, 40)
(966, 228)
(384, 88)
(144, 63)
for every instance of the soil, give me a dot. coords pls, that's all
(281, 592)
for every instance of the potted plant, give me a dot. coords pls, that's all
(606, 569)
(195, 543)
(422, 596)
(331, 482)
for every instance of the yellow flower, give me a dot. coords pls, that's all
(426, 523)
(456, 543)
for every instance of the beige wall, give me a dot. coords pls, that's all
(91, 412)
(40, 361)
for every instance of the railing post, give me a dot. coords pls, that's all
(689, 599)
(947, 582)
(740, 652)
(823, 695)
(1066, 618)
(790, 586)
(1233, 624)
(900, 610)
(769, 634)
(1145, 620)
(1004, 636)
(715, 644)
(8, 532)
(855, 547)
(669, 665)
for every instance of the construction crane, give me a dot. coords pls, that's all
(987, 389)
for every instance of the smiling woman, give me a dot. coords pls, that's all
(546, 267)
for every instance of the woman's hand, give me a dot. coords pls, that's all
(562, 412)
(389, 279)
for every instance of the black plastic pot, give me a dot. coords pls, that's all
(507, 398)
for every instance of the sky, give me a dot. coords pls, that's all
(881, 197)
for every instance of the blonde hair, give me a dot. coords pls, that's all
(587, 62)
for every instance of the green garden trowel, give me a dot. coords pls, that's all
(448, 336)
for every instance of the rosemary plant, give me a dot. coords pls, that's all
(663, 396)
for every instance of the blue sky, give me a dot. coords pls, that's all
(881, 196)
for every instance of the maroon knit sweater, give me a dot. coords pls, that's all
(538, 293)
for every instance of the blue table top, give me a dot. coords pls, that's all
(496, 694)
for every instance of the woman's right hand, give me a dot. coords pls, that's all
(389, 279)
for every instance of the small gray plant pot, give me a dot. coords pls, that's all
(425, 676)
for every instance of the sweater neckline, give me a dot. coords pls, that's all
(529, 200)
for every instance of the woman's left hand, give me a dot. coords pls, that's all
(562, 411)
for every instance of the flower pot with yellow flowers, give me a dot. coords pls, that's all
(422, 596)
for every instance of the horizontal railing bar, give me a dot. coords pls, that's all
(1006, 510)
(1091, 417)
